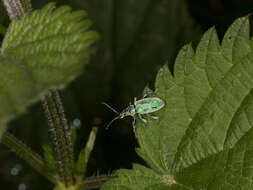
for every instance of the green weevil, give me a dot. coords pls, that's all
(140, 107)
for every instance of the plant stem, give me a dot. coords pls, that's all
(81, 165)
(60, 132)
(61, 136)
(94, 182)
(90, 144)
(26, 153)
(14, 8)
(15, 11)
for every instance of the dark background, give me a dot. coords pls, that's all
(136, 39)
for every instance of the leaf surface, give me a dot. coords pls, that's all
(44, 49)
(204, 137)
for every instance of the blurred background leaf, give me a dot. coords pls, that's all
(136, 39)
(36, 56)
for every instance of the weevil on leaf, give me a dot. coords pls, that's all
(140, 107)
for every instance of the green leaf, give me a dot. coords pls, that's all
(139, 178)
(139, 51)
(84, 155)
(204, 138)
(50, 161)
(44, 49)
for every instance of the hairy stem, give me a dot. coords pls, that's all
(15, 11)
(25, 153)
(14, 8)
(94, 182)
(61, 136)
(60, 132)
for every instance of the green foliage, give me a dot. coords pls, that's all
(204, 138)
(84, 155)
(81, 164)
(49, 156)
(45, 48)
(139, 178)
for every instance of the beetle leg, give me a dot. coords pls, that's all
(134, 126)
(154, 117)
(135, 133)
(134, 121)
(143, 120)
(135, 100)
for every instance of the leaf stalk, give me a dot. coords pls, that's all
(26, 154)
(61, 136)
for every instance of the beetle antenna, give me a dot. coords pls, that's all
(115, 111)
(107, 127)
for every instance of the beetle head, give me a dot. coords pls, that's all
(122, 115)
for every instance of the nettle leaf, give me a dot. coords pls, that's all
(45, 48)
(139, 178)
(204, 138)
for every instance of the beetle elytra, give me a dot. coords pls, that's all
(140, 107)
